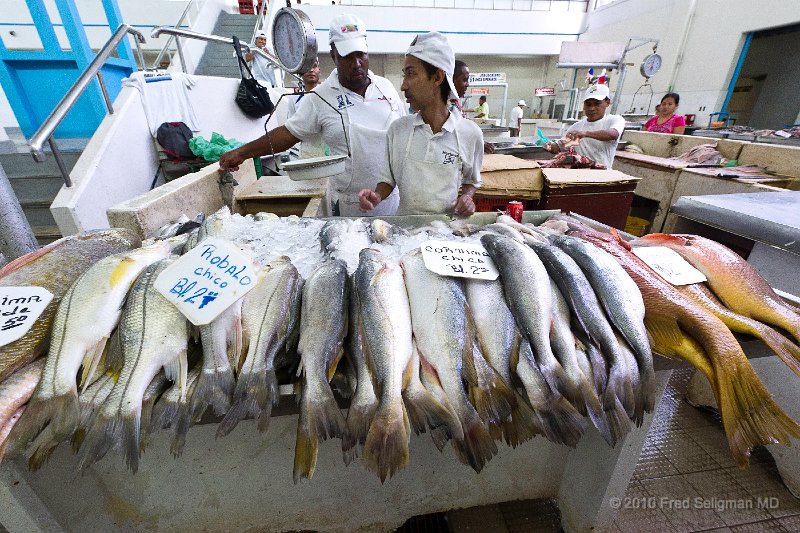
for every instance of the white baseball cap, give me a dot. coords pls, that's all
(434, 49)
(596, 92)
(522, 103)
(349, 34)
(261, 34)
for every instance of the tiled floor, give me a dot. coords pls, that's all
(685, 481)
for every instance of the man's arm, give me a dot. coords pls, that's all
(601, 135)
(277, 140)
(369, 199)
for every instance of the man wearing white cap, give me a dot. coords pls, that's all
(353, 107)
(262, 69)
(597, 132)
(436, 152)
(515, 120)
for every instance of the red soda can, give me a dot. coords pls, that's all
(514, 210)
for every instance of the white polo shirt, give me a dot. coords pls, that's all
(439, 148)
(514, 119)
(599, 151)
(379, 107)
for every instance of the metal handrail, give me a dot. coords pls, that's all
(169, 30)
(157, 62)
(45, 131)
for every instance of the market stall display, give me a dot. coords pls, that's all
(547, 348)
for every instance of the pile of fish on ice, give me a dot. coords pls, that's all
(560, 341)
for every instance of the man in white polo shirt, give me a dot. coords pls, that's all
(353, 106)
(515, 119)
(597, 132)
(435, 152)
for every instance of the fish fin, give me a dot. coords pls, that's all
(386, 448)
(114, 357)
(214, 388)
(616, 420)
(424, 409)
(40, 450)
(478, 446)
(62, 412)
(183, 421)
(164, 413)
(595, 412)
(118, 430)
(319, 420)
(235, 344)
(272, 399)
(91, 362)
(251, 395)
(359, 417)
(620, 385)
(495, 401)
(521, 426)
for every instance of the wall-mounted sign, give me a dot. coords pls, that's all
(479, 90)
(487, 77)
(544, 91)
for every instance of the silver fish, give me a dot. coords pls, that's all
(445, 335)
(323, 325)
(222, 343)
(623, 303)
(269, 314)
(527, 288)
(154, 335)
(590, 316)
(86, 318)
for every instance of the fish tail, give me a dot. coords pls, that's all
(521, 426)
(183, 422)
(595, 412)
(788, 351)
(41, 449)
(750, 415)
(386, 448)
(620, 385)
(561, 422)
(305, 449)
(424, 409)
(319, 420)
(599, 367)
(271, 384)
(616, 419)
(116, 430)
(495, 401)
(359, 416)
(556, 377)
(478, 446)
(214, 388)
(165, 413)
(62, 412)
(249, 398)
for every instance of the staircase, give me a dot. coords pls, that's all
(218, 60)
(36, 184)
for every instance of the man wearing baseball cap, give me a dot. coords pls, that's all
(262, 69)
(352, 109)
(515, 120)
(597, 132)
(433, 157)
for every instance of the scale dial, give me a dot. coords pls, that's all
(294, 40)
(650, 65)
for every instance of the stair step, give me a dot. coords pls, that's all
(47, 234)
(23, 165)
(36, 188)
(38, 214)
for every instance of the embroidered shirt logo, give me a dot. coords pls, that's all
(449, 157)
(343, 101)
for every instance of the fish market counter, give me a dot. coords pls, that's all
(245, 479)
(766, 228)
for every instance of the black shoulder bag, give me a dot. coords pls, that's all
(252, 98)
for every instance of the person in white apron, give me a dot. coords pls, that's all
(433, 157)
(351, 110)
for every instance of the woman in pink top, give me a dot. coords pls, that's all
(666, 121)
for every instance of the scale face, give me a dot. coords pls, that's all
(650, 65)
(294, 40)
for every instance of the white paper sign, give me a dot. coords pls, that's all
(20, 307)
(207, 280)
(669, 265)
(459, 259)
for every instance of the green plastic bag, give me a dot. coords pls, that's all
(213, 149)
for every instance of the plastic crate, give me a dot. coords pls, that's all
(488, 205)
(246, 7)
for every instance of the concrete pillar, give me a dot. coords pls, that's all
(16, 235)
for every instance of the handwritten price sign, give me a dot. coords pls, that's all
(20, 307)
(207, 280)
(458, 259)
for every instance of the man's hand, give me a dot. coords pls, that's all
(231, 160)
(368, 200)
(575, 135)
(488, 148)
(465, 205)
(552, 147)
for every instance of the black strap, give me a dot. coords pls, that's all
(242, 63)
